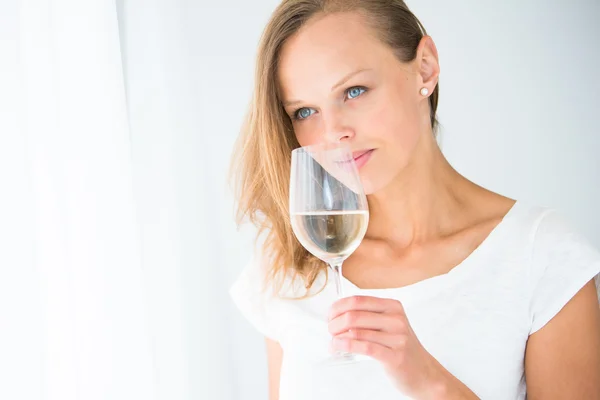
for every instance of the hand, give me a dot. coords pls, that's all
(379, 328)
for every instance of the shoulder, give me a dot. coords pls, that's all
(253, 294)
(555, 239)
(263, 297)
(561, 261)
(548, 230)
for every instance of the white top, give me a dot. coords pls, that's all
(475, 320)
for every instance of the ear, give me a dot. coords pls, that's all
(427, 64)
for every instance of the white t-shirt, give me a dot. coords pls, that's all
(475, 320)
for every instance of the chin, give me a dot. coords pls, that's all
(370, 186)
(374, 181)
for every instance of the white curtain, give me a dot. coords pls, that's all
(84, 314)
(184, 117)
(116, 226)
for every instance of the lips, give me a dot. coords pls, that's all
(358, 154)
(362, 157)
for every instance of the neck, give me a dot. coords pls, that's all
(421, 203)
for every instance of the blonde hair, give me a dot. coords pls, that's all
(261, 161)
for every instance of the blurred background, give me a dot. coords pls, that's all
(117, 121)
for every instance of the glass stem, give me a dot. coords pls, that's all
(337, 276)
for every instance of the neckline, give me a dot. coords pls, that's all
(431, 283)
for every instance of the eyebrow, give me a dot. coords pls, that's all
(334, 87)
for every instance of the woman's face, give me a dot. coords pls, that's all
(339, 82)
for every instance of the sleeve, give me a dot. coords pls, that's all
(254, 299)
(563, 261)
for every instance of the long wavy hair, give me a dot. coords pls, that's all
(262, 157)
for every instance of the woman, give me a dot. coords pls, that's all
(457, 292)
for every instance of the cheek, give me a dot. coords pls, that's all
(393, 129)
(395, 123)
(386, 124)
(307, 132)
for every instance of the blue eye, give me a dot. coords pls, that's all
(354, 92)
(304, 113)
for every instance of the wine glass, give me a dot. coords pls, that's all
(328, 209)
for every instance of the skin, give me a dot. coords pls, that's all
(424, 216)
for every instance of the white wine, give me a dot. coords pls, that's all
(330, 235)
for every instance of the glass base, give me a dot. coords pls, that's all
(343, 359)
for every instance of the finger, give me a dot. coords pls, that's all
(365, 303)
(374, 350)
(390, 340)
(393, 323)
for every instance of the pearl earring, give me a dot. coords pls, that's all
(424, 91)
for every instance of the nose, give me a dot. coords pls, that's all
(336, 128)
